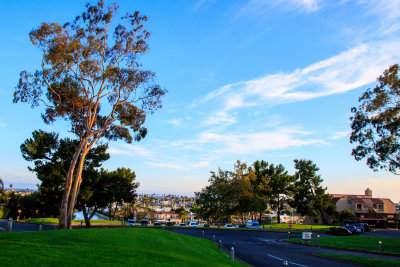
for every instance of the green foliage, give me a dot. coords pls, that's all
(109, 247)
(51, 157)
(4, 212)
(116, 187)
(214, 199)
(310, 197)
(375, 123)
(256, 188)
(345, 215)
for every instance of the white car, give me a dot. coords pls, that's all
(193, 224)
(131, 222)
(229, 226)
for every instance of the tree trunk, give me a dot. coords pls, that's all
(323, 217)
(279, 212)
(85, 215)
(77, 184)
(64, 203)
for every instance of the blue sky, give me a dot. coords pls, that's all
(247, 80)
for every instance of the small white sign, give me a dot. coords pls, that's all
(306, 236)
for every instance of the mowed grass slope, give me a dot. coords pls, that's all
(366, 261)
(109, 247)
(362, 243)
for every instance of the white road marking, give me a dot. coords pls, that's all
(287, 261)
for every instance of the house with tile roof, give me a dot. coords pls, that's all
(375, 211)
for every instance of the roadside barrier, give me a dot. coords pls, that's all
(10, 224)
(232, 254)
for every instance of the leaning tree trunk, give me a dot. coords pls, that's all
(64, 203)
(77, 184)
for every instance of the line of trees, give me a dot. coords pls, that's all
(252, 189)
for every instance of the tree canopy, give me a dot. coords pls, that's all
(253, 190)
(375, 123)
(90, 76)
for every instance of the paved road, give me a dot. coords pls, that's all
(268, 248)
(384, 233)
(22, 227)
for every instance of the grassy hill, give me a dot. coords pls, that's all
(109, 247)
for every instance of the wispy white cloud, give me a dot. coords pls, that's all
(201, 164)
(166, 165)
(261, 7)
(340, 135)
(175, 121)
(179, 166)
(346, 71)
(132, 150)
(282, 138)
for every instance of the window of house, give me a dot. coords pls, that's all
(380, 206)
(349, 201)
(359, 206)
(375, 206)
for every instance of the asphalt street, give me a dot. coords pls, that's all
(269, 248)
(22, 227)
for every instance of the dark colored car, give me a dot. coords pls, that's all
(157, 224)
(170, 224)
(206, 225)
(339, 231)
(241, 226)
(366, 227)
(144, 222)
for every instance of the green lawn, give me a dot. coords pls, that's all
(316, 227)
(109, 247)
(367, 261)
(55, 221)
(362, 243)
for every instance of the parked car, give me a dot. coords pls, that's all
(353, 229)
(157, 224)
(131, 222)
(170, 224)
(229, 226)
(144, 222)
(254, 225)
(241, 226)
(366, 227)
(193, 224)
(339, 231)
(206, 225)
(182, 224)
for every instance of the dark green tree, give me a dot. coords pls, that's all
(214, 200)
(375, 124)
(51, 157)
(310, 198)
(281, 188)
(117, 187)
(90, 76)
(261, 173)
